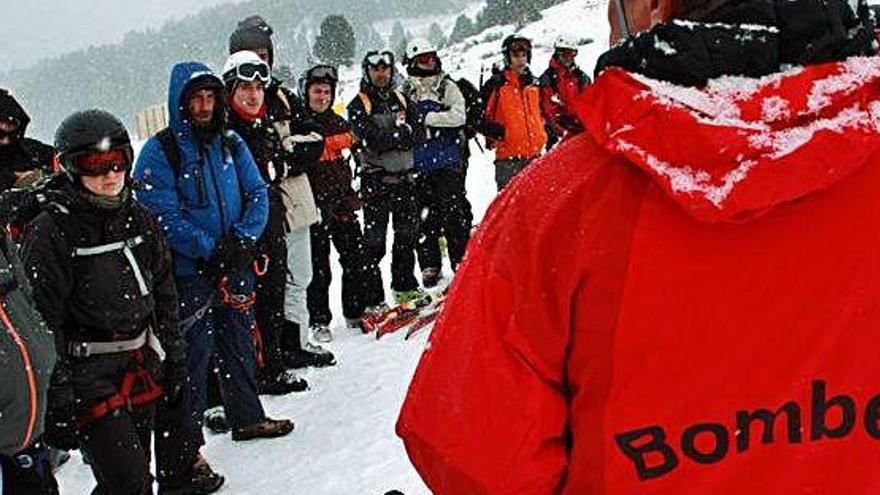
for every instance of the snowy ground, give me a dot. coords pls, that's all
(344, 441)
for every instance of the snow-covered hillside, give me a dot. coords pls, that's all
(344, 441)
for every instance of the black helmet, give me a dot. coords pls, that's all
(515, 42)
(87, 132)
(320, 73)
(250, 34)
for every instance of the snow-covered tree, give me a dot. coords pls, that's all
(336, 41)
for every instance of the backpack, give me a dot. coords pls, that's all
(473, 104)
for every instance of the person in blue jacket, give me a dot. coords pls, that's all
(201, 183)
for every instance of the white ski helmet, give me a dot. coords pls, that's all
(419, 46)
(565, 42)
(245, 65)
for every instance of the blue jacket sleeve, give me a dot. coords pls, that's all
(159, 195)
(255, 204)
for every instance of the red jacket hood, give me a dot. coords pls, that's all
(741, 146)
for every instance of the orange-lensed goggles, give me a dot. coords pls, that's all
(102, 163)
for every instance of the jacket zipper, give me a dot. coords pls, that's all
(29, 371)
(217, 192)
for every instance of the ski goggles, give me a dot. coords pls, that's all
(380, 58)
(251, 71)
(102, 163)
(425, 58)
(322, 73)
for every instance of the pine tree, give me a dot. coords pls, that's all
(436, 35)
(399, 38)
(463, 28)
(335, 43)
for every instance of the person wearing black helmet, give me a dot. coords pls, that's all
(387, 126)
(287, 112)
(22, 159)
(102, 278)
(513, 124)
(336, 198)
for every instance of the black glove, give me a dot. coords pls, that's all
(61, 428)
(493, 130)
(174, 378)
(233, 255)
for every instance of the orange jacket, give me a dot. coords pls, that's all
(681, 300)
(515, 104)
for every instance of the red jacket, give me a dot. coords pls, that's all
(560, 88)
(639, 304)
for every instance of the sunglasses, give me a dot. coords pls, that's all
(380, 58)
(324, 72)
(102, 163)
(252, 71)
(567, 52)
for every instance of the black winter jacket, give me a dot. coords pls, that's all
(99, 297)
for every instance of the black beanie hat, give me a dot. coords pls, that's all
(252, 33)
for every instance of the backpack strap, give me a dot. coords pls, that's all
(400, 98)
(368, 105)
(169, 145)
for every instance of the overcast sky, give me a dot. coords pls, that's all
(35, 29)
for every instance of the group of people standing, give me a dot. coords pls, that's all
(198, 273)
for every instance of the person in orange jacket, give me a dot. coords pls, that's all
(338, 201)
(513, 123)
(683, 298)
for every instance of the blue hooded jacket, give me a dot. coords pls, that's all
(218, 191)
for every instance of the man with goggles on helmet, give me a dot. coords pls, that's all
(287, 114)
(102, 277)
(438, 159)
(245, 77)
(561, 84)
(387, 127)
(331, 182)
(513, 122)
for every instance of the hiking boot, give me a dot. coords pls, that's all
(310, 356)
(322, 333)
(215, 420)
(202, 479)
(430, 277)
(405, 296)
(282, 384)
(265, 428)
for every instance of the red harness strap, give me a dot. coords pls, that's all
(124, 398)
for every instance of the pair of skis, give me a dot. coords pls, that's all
(417, 314)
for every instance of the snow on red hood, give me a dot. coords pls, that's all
(741, 145)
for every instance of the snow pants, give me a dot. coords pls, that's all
(447, 212)
(506, 170)
(387, 196)
(271, 287)
(299, 275)
(118, 448)
(226, 332)
(361, 281)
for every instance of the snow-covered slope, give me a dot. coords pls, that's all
(344, 441)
